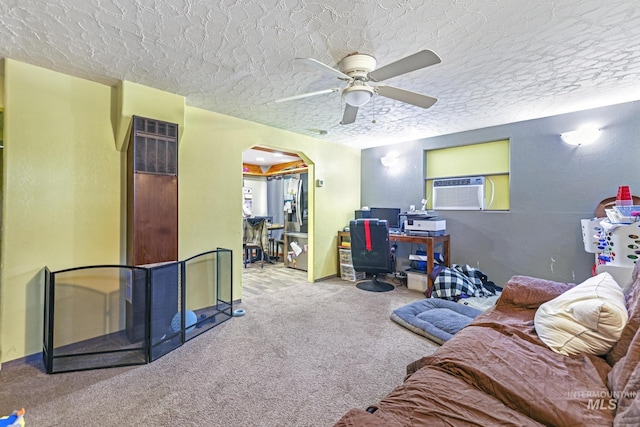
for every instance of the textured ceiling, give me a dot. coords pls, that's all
(502, 60)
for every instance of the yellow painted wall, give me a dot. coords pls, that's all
(61, 204)
(210, 186)
(132, 99)
(64, 189)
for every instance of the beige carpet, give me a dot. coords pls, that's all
(302, 356)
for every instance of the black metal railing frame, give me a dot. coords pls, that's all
(146, 349)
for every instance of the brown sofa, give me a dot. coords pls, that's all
(497, 372)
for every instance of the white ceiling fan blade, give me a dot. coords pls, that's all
(324, 67)
(409, 97)
(422, 59)
(349, 116)
(307, 95)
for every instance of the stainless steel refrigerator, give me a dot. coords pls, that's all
(296, 220)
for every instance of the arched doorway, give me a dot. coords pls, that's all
(278, 185)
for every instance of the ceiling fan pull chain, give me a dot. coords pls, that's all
(373, 106)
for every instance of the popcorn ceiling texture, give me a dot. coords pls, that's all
(502, 60)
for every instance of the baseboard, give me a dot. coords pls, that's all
(31, 359)
(322, 279)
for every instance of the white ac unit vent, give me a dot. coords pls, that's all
(458, 193)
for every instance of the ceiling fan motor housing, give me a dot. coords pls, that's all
(357, 65)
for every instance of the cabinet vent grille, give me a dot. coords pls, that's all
(155, 147)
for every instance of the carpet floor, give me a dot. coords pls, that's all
(303, 355)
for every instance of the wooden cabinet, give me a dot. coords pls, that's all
(152, 192)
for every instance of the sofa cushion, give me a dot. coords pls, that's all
(529, 292)
(632, 298)
(526, 377)
(624, 379)
(588, 318)
(433, 397)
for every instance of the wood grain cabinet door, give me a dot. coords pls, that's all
(152, 192)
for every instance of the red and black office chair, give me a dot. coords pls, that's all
(371, 252)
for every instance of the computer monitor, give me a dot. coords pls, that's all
(362, 214)
(390, 214)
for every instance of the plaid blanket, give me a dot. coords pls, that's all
(455, 282)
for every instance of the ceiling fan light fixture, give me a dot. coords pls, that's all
(357, 96)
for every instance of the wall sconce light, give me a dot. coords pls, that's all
(582, 136)
(389, 160)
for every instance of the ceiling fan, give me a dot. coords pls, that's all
(358, 69)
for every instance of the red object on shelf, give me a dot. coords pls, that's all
(624, 194)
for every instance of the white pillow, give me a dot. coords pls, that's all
(588, 318)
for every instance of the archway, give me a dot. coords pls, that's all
(272, 177)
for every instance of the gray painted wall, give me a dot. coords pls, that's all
(553, 186)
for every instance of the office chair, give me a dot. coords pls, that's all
(255, 236)
(370, 252)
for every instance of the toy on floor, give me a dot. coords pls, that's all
(15, 419)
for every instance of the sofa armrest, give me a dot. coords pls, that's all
(530, 292)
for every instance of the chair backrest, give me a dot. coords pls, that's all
(269, 219)
(370, 250)
(255, 232)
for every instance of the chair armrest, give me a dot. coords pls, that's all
(530, 292)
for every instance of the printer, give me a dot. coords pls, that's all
(419, 224)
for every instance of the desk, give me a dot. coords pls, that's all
(430, 243)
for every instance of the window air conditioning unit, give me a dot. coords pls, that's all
(459, 193)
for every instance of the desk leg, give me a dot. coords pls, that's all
(429, 259)
(446, 252)
(431, 256)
